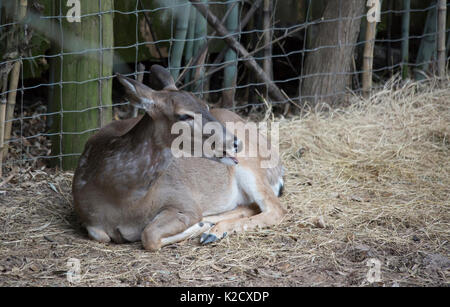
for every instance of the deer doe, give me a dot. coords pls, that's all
(129, 187)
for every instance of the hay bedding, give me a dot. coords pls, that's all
(367, 181)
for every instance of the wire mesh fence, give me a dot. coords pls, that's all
(59, 59)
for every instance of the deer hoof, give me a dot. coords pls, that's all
(209, 238)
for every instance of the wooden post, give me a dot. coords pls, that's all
(82, 97)
(13, 81)
(3, 88)
(405, 37)
(368, 56)
(441, 50)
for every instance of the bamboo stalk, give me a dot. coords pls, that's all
(13, 83)
(233, 43)
(4, 88)
(229, 74)
(216, 69)
(441, 50)
(71, 130)
(182, 16)
(405, 37)
(201, 55)
(189, 48)
(253, 9)
(205, 46)
(200, 33)
(368, 58)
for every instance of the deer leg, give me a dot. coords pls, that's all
(239, 212)
(167, 223)
(271, 214)
(194, 231)
(208, 222)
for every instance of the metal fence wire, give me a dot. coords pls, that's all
(280, 36)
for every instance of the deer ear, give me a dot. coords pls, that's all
(138, 94)
(164, 77)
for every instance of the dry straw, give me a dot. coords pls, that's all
(366, 181)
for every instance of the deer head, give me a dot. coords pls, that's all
(170, 107)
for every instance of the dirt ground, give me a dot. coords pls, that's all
(366, 185)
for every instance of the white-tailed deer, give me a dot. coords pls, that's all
(129, 187)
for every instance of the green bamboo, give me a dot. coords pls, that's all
(181, 13)
(405, 37)
(229, 78)
(83, 100)
(201, 31)
(189, 49)
(427, 46)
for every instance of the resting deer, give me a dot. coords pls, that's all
(129, 187)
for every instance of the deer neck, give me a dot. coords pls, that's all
(149, 154)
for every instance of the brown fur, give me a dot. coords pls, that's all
(128, 187)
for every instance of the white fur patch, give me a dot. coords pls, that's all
(248, 189)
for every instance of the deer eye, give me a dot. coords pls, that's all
(184, 117)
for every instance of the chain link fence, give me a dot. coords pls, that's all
(310, 51)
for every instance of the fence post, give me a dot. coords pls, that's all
(3, 88)
(369, 46)
(21, 12)
(83, 98)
